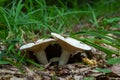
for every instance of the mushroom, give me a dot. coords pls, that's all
(69, 46)
(39, 49)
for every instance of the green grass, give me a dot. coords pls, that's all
(27, 21)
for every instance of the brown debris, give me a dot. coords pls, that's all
(115, 70)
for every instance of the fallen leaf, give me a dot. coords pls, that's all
(115, 69)
(78, 77)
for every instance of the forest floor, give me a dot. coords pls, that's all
(66, 72)
(72, 71)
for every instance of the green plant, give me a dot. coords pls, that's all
(113, 61)
(102, 37)
(89, 78)
(103, 70)
(23, 20)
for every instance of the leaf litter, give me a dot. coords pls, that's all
(71, 71)
(75, 71)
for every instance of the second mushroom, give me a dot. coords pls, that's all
(69, 46)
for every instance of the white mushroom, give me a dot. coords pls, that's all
(38, 48)
(69, 46)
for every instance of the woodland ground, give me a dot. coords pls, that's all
(96, 23)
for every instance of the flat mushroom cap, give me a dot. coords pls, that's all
(70, 44)
(38, 45)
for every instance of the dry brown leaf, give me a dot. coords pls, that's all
(5, 71)
(32, 74)
(5, 77)
(115, 69)
(78, 77)
(15, 78)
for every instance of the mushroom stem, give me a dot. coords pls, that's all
(64, 57)
(55, 59)
(41, 56)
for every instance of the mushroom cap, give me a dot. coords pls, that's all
(38, 45)
(70, 44)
